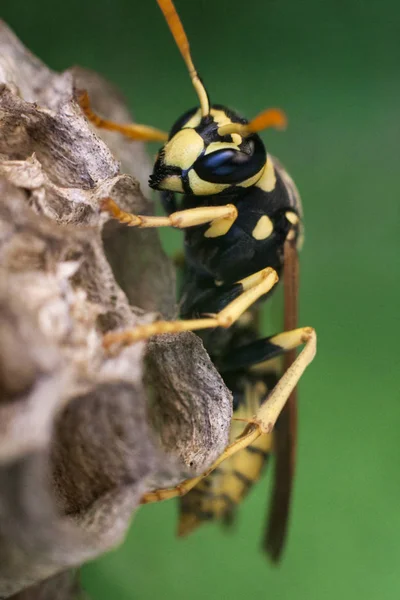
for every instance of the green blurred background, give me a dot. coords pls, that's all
(334, 67)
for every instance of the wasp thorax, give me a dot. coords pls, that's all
(197, 160)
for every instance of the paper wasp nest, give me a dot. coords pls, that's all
(80, 431)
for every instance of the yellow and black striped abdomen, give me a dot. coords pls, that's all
(217, 496)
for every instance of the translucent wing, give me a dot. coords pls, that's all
(285, 431)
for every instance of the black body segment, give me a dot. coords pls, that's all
(211, 278)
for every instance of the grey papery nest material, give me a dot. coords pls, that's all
(83, 434)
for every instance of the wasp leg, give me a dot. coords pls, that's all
(254, 287)
(257, 355)
(180, 219)
(265, 418)
(133, 131)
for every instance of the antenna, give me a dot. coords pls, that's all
(176, 28)
(272, 117)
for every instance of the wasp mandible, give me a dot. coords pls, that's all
(242, 218)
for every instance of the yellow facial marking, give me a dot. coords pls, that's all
(220, 146)
(263, 229)
(252, 180)
(194, 120)
(222, 119)
(172, 183)
(267, 181)
(219, 117)
(292, 217)
(204, 188)
(183, 149)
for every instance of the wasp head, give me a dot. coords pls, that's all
(201, 159)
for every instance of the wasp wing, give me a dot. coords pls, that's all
(285, 431)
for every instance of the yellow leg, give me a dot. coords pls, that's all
(263, 421)
(133, 131)
(263, 281)
(180, 219)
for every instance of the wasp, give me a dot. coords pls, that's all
(242, 218)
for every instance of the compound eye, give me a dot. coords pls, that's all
(229, 166)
